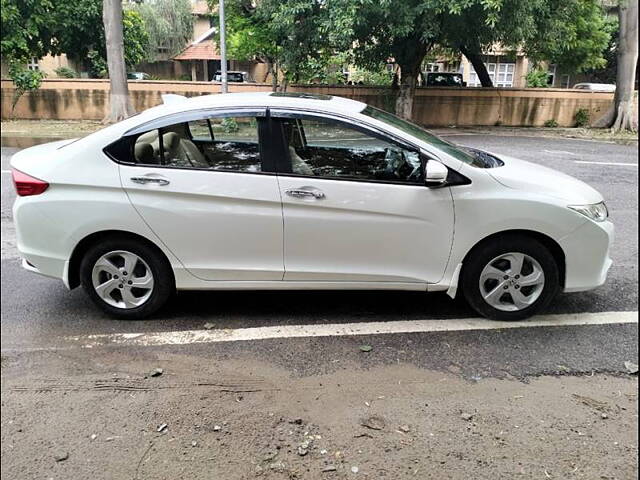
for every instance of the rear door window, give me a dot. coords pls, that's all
(225, 142)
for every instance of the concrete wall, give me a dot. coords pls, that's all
(88, 100)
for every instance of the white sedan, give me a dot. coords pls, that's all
(293, 191)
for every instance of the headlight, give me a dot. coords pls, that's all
(597, 212)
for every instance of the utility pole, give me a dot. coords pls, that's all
(223, 50)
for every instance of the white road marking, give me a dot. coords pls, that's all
(561, 152)
(620, 164)
(186, 337)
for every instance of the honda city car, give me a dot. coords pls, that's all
(273, 191)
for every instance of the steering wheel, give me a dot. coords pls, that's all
(394, 160)
(416, 172)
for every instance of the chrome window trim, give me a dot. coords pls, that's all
(193, 115)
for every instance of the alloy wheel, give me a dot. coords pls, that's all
(512, 282)
(122, 279)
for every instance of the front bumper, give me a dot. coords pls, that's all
(587, 255)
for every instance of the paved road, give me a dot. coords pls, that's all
(37, 310)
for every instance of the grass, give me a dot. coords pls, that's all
(49, 128)
(597, 134)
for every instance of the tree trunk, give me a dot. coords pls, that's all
(406, 93)
(621, 115)
(272, 70)
(120, 104)
(479, 67)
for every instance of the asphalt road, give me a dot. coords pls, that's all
(36, 311)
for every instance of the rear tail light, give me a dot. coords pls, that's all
(27, 185)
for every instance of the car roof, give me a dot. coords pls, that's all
(320, 103)
(178, 105)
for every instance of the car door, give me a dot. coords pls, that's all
(213, 202)
(356, 208)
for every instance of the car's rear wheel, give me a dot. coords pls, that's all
(126, 278)
(510, 278)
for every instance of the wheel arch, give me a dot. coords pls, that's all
(87, 242)
(554, 247)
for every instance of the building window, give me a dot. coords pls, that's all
(505, 74)
(501, 74)
(33, 64)
(551, 75)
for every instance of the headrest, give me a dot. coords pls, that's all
(144, 152)
(170, 141)
(149, 136)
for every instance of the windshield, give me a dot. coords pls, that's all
(472, 157)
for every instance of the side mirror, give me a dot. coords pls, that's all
(435, 174)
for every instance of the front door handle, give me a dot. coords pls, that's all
(306, 192)
(153, 180)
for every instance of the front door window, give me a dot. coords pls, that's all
(329, 149)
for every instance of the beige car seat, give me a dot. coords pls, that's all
(298, 164)
(144, 153)
(193, 154)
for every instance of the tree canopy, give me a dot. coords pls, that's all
(35, 28)
(169, 25)
(304, 37)
(26, 29)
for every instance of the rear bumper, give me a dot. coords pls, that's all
(48, 267)
(41, 246)
(587, 256)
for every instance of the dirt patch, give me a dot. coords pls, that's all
(101, 415)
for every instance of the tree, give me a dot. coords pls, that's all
(607, 73)
(571, 33)
(120, 103)
(250, 36)
(620, 116)
(26, 34)
(399, 31)
(169, 25)
(292, 36)
(35, 28)
(26, 30)
(80, 33)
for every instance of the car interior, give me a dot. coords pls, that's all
(332, 150)
(315, 148)
(185, 145)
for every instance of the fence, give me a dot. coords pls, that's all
(82, 99)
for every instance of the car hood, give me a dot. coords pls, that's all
(530, 177)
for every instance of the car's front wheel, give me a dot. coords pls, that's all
(510, 278)
(126, 278)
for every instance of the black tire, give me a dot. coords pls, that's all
(164, 282)
(481, 255)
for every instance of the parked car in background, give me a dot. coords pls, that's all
(444, 79)
(138, 76)
(595, 87)
(282, 191)
(234, 77)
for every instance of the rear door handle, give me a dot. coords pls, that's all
(305, 192)
(152, 180)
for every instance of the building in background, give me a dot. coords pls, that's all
(507, 69)
(201, 58)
